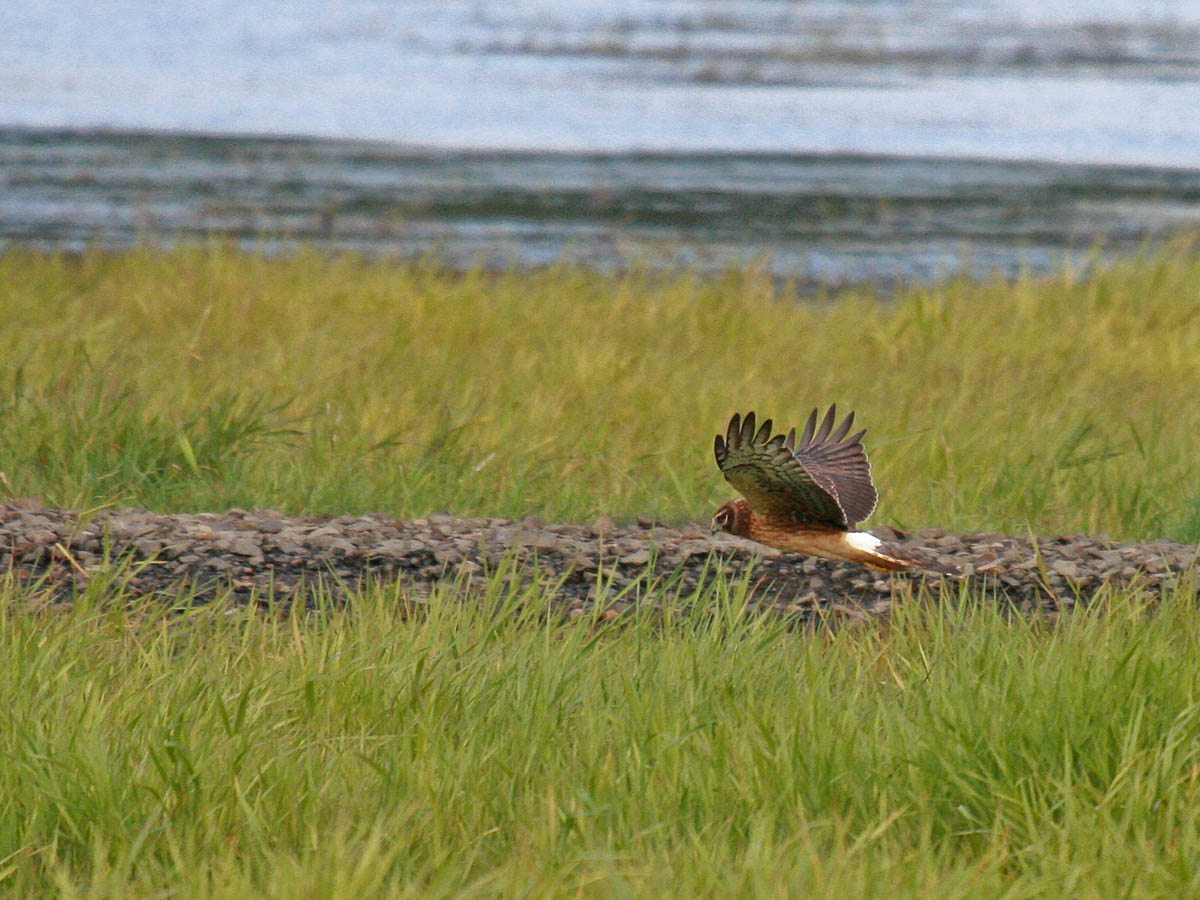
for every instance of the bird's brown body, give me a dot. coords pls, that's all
(785, 534)
(803, 494)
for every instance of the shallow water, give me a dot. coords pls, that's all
(1109, 82)
(845, 140)
(819, 219)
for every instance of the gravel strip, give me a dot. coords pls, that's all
(263, 552)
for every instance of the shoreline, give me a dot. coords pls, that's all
(821, 220)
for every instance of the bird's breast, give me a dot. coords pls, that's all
(785, 535)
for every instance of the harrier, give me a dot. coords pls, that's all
(803, 495)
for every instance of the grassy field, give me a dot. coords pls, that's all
(206, 379)
(471, 752)
(479, 749)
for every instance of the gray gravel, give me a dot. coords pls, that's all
(263, 553)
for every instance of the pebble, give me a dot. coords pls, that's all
(1066, 568)
(546, 540)
(244, 546)
(390, 548)
(603, 525)
(148, 546)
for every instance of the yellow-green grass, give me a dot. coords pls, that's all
(474, 751)
(478, 747)
(210, 378)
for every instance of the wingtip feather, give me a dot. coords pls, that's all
(843, 429)
(764, 432)
(826, 425)
(748, 429)
(734, 429)
(809, 428)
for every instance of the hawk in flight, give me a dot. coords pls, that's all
(803, 495)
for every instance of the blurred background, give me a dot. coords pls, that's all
(835, 142)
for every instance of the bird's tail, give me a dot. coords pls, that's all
(863, 547)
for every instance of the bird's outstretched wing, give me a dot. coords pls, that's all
(821, 479)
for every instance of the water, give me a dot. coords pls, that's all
(846, 140)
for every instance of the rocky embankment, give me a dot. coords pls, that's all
(261, 553)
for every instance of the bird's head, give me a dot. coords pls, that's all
(733, 518)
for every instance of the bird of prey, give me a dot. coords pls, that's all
(803, 495)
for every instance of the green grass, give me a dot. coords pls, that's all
(210, 378)
(477, 747)
(476, 752)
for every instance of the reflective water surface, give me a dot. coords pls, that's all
(845, 140)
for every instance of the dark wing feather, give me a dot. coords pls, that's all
(766, 472)
(821, 479)
(840, 463)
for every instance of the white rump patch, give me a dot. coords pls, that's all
(861, 540)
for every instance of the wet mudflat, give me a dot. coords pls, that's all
(816, 219)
